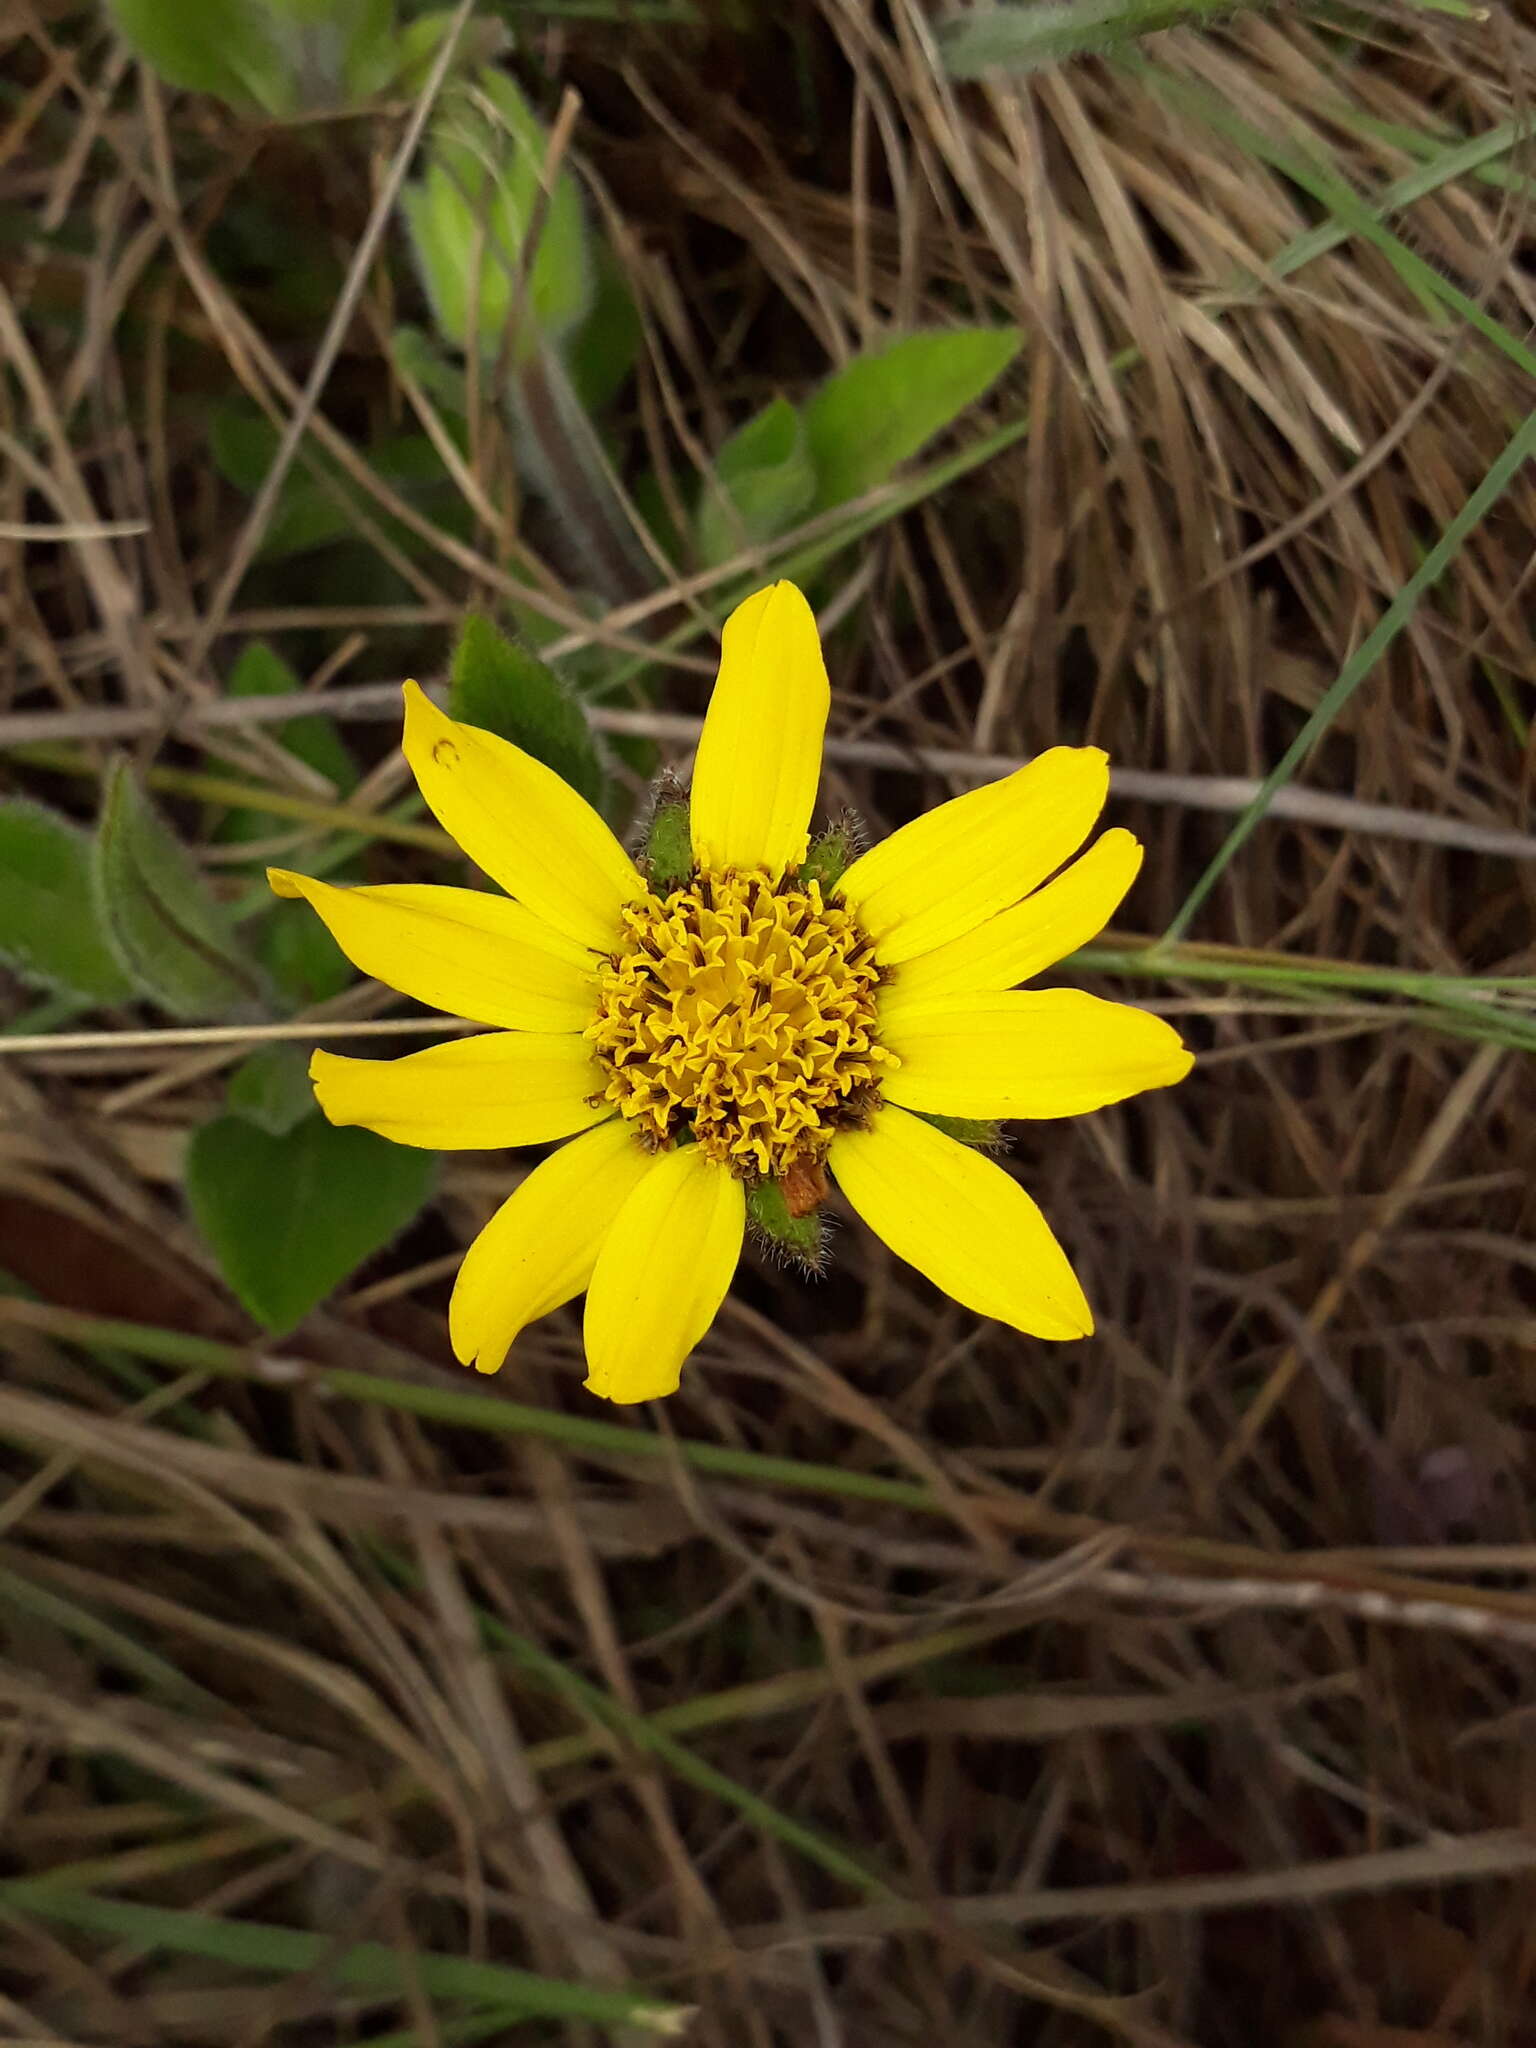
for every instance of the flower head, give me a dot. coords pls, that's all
(751, 1026)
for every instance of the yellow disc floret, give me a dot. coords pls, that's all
(743, 1011)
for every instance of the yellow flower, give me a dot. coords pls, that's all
(747, 1026)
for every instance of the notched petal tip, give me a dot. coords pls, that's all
(1180, 1065)
(325, 1069)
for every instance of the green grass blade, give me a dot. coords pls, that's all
(1437, 560)
(160, 1678)
(365, 1966)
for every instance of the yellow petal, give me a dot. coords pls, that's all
(472, 1094)
(539, 1249)
(459, 950)
(963, 1222)
(518, 821)
(1028, 1053)
(661, 1274)
(759, 758)
(1032, 935)
(948, 871)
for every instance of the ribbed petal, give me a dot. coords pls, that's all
(521, 823)
(459, 950)
(539, 1249)
(662, 1273)
(962, 1222)
(1031, 936)
(945, 873)
(759, 758)
(472, 1094)
(1046, 1053)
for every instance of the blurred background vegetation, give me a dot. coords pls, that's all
(1134, 372)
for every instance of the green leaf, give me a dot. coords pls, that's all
(504, 689)
(302, 958)
(469, 220)
(282, 57)
(49, 928)
(869, 417)
(1022, 39)
(601, 352)
(764, 480)
(224, 47)
(244, 442)
(312, 738)
(270, 1089)
(290, 1215)
(158, 917)
(417, 43)
(418, 356)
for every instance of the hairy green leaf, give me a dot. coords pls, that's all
(764, 480)
(281, 57)
(289, 1215)
(157, 915)
(470, 218)
(870, 416)
(505, 689)
(49, 928)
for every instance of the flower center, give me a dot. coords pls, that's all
(744, 1012)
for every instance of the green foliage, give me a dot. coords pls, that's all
(290, 1214)
(276, 57)
(308, 515)
(158, 918)
(850, 435)
(375, 1968)
(799, 1238)
(417, 355)
(270, 1089)
(1020, 39)
(302, 958)
(870, 416)
(504, 689)
(471, 216)
(418, 42)
(764, 480)
(312, 738)
(49, 928)
(601, 351)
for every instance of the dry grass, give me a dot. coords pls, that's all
(915, 1683)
